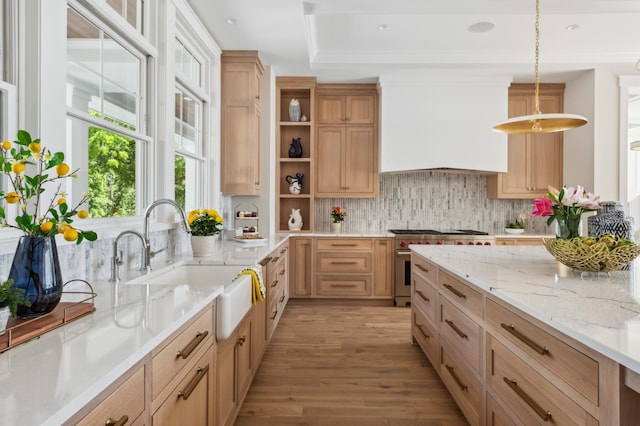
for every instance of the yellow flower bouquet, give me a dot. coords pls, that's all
(205, 222)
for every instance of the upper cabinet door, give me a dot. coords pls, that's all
(346, 109)
(331, 110)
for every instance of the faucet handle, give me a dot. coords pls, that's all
(118, 260)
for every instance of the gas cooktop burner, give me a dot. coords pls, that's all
(434, 232)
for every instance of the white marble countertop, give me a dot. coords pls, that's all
(523, 235)
(46, 380)
(600, 311)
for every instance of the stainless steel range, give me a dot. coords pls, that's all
(406, 237)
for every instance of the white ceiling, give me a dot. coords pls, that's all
(339, 40)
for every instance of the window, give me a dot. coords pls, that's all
(130, 10)
(105, 126)
(190, 160)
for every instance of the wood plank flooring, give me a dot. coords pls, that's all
(346, 365)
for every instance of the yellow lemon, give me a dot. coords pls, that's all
(62, 227)
(18, 168)
(12, 197)
(46, 226)
(35, 147)
(62, 169)
(70, 234)
(83, 214)
(62, 201)
(6, 145)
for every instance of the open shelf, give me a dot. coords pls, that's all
(302, 89)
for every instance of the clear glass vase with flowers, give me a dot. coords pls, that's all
(31, 169)
(566, 207)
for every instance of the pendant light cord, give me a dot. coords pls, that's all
(537, 74)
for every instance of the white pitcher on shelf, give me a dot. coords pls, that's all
(295, 220)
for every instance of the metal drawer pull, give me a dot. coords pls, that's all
(199, 337)
(121, 422)
(281, 299)
(421, 294)
(542, 350)
(265, 261)
(241, 340)
(456, 378)
(456, 329)
(422, 268)
(275, 259)
(275, 283)
(202, 371)
(283, 251)
(282, 272)
(342, 285)
(342, 262)
(344, 245)
(426, 336)
(455, 291)
(273, 315)
(541, 412)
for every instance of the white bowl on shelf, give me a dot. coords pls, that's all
(513, 230)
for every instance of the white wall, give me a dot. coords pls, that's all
(443, 121)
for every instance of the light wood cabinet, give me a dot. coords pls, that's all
(300, 264)
(302, 89)
(241, 118)
(341, 268)
(347, 151)
(125, 402)
(504, 367)
(234, 370)
(383, 256)
(277, 286)
(534, 160)
(192, 398)
(518, 241)
(183, 373)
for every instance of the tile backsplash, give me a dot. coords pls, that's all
(429, 199)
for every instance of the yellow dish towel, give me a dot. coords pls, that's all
(258, 293)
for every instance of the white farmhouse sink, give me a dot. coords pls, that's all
(232, 304)
(190, 273)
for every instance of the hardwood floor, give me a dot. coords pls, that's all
(346, 365)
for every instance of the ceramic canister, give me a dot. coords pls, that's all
(611, 220)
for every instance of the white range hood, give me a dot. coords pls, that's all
(443, 121)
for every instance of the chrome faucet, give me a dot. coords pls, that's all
(147, 213)
(117, 261)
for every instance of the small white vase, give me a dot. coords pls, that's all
(336, 227)
(203, 245)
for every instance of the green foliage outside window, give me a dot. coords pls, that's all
(112, 174)
(180, 180)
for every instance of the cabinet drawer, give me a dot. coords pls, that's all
(344, 262)
(425, 269)
(172, 357)
(532, 398)
(426, 335)
(575, 368)
(424, 298)
(461, 293)
(276, 275)
(464, 333)
(496, 415)
(126, 400)
(276, 307)
(341, 286)
(344, 244)
(462, 383)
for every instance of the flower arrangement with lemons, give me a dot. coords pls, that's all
(205, 222)
(36, 217)
(338, 215)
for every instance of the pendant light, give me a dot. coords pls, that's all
(538, 122)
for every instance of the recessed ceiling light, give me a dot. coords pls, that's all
(481, 27)
(231, 21)
(383, 27)
(571, 27)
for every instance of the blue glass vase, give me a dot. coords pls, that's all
(36, 269)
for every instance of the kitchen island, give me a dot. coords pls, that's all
(484, 315)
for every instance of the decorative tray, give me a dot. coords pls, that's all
(20, 330)
(248, 239)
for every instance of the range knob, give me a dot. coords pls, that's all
(470, 243)
(439, 243)
(427, 242)
(487, 243)
(459, 243)
(403, 244)
(479, 243)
